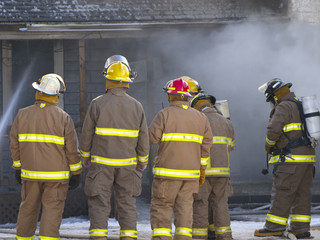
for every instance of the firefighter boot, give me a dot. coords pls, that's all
(267, 233)
(301, 234)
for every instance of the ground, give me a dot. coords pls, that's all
(243, 223)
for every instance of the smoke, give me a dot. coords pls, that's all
(231, 62)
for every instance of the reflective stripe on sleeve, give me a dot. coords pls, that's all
(276, 219)
(75, 167)
(270, 142)
(98, 232)
(16, 164)
(182, 137)
(300, 218)
(161, 232)
(143, 159)
(84, 154)
(183, 231)
(117, 132)
(114, 161)
(41, 138)
(58, 175)
(204, 161)
(175, 173)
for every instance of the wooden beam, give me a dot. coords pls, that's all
(6, 98)
(83, 88)
(58, 64)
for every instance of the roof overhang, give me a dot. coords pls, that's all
(89, 30)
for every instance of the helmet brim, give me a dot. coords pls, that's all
(36, 86)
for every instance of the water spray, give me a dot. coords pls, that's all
(13, 101)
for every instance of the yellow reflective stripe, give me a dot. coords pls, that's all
(221, 140)
(24, 238)
(44, 175)
(199, 232)
(232, 143)
(47, 238)
(270, 142)
(300, 218)
(292, 127)
(183, 231)
(294, 159)
(222, 230)
(176, 173)
(276, 219)
(98, 232)
(84, 154)
(117, 132)
(143, 158)
(181, 92)
(185, 106)
(129, 233)
(114, 161)
(218, 171)
(41, 138)
(211, 227)
(183, 137)
(75, 167)
(16, 163)
(204, 161)
(161, 232)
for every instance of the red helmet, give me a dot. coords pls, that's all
(179, 87)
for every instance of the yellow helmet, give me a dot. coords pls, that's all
(193, 85)
(118, 71)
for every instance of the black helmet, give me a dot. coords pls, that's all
(271, 86)
(201, 96)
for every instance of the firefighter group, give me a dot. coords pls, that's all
(191, 171)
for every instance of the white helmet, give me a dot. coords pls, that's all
(50, 84)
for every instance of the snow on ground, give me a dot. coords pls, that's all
(242, 226)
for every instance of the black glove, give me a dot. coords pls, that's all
(18, 176)
(74, 181)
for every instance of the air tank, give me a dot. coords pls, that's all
(312, 116)
(223, 107)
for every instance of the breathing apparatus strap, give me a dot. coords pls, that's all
(304, 139)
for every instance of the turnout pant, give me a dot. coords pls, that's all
(172, 197)
(291, 191)
(214, 192)
(51, 196)
(126, 184)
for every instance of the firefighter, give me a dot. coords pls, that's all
(293, 160)
(44, 150)
(184, 137)
(217, 187)
(114, 146)
(194, 86)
